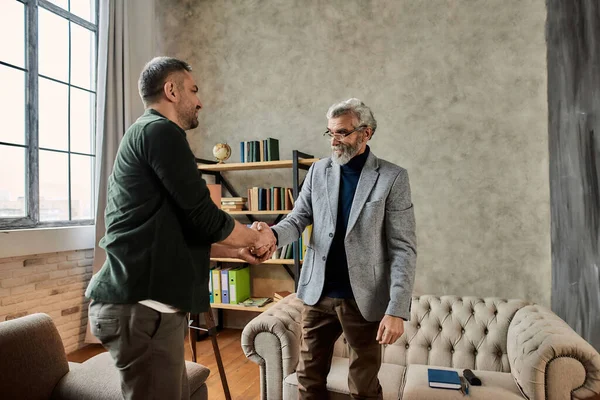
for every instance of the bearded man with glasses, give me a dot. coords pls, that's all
(359, 267)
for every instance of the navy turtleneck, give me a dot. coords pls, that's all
(337, 279)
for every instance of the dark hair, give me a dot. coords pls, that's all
(155, 73)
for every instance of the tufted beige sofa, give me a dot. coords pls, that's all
(519, 350)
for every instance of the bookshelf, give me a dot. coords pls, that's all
(208, 166)
(238, 307)
(278, 261)
(248, 212)
(299, 161)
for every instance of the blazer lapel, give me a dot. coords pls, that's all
(367, 180)
(333, 189)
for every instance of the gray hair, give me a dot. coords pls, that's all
(155, 74)
(357, 108)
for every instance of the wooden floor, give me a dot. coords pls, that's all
(242, 374)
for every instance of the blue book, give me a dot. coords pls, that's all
(444, 379)
(242, 152)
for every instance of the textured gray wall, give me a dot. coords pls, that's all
(459, 91)
(574, 101)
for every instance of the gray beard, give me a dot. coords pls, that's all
(347, 152)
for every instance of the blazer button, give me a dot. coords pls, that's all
(331, 235)
(324, 258)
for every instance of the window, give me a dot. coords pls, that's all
(47, 112)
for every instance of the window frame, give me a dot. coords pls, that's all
(31, 146)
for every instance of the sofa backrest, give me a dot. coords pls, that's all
(452, 331)
(32, 358)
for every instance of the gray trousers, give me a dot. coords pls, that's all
(147, 346)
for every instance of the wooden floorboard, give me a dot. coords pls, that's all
(242, 374)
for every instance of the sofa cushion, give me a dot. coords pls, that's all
(495, 385)
(391, 377)
(98, 379)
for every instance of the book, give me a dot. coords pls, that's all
(215, 193)
(443, 379)
(242, 152)
(266, 146)
(281, 295)
(262, 150)
(256, 150)
(273, 149)
(233, 199)
(305, 240)
(232, 208)
(256, 301)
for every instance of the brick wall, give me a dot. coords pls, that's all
(51, 283)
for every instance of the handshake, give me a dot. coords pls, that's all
(264, 247)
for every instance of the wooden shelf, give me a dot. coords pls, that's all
(240, 307)
(255, 165)
(268, 212)
(279, 261)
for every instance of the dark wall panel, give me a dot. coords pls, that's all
(573, 37)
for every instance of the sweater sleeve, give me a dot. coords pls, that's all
(168, 154)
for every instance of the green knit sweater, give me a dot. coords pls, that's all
(160, 221)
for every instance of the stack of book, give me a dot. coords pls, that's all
(259, 150)
(233, 203)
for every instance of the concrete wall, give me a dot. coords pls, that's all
(459, 91)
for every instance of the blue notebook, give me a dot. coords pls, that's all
(444, 379)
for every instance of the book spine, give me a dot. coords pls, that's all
(224, 287)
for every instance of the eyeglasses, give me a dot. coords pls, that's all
(342, 134)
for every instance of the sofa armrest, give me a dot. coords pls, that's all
(548, 359)
(272, 340)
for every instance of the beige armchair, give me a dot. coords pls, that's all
(519, 350)
(33, 365)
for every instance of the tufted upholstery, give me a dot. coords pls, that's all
(516, 345)
(538, 339)
(276, 332)
(458, 332)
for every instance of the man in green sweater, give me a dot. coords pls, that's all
(161, 230)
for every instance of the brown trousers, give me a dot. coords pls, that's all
(322, 325)
(147, 346)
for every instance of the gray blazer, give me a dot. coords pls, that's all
(380, 241)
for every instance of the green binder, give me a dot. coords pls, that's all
(239, 285)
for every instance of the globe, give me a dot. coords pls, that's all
(222, 152)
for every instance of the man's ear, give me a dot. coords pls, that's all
(170, 91)
(369, 132)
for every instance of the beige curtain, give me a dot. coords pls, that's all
(113, 106)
